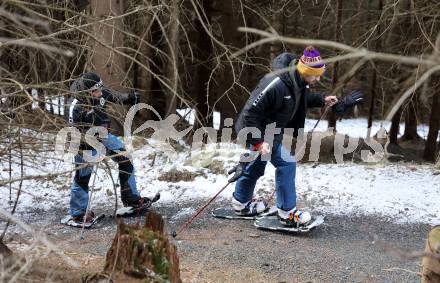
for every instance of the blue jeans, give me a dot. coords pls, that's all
(79, 196)
(284, 178)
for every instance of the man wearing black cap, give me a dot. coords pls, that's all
(88, 109)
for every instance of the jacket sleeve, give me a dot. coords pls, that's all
(78, 117)
(264, 101)
(315, 100)
(119, 98)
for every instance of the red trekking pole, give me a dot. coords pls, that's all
(239, 170)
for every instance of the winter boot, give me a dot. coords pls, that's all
(250, 208)
(87, 219)
(294, 217)
(140, 203)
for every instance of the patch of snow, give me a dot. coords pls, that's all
(216, 120)
(404, 193)
(188, 114)
(184, 212)
(34, 93)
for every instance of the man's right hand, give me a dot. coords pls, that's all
(263, 148)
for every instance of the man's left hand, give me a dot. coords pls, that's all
(330, 100)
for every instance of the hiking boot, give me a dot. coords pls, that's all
(294, 217)
(250, 208)
(142, 202)
(80, 219)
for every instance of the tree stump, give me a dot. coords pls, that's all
(431, 266)
(140, 254)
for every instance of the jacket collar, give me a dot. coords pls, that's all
(295, 77)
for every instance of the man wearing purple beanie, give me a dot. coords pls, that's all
(282, 99)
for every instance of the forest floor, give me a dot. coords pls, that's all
(345, 249)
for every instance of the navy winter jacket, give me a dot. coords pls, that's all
(282, 98)
(86, 112)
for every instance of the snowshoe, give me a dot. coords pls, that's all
(138, 207)
(82, 220)
(273, 223)
(229, 213)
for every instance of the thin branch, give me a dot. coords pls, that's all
(370, 55)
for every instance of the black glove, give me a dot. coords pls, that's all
(134, 98)
(238, 169)
(355, 97)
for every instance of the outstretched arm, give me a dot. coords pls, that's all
(355, 97)
(315, 100)
(130, 98)
(318, 100)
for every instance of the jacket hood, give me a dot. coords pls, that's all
(283, 61)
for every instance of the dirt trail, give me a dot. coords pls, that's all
(214, 250)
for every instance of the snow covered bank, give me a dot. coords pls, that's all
(402, 193)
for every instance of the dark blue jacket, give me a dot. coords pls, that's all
(281, 98)
(86, 111)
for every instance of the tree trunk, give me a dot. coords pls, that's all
(431, 266)
(430, 153)
(109, 65)
(141, 254)
(411, 124)
(204, 51)
(338, 31)
(403, 85)
(229, 21)
(357, 23)
(395, 125)
(277, 21)
(142, 78)
(374, 78)
(394, 37)
(172, 66)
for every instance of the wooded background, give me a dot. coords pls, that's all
(195, 54)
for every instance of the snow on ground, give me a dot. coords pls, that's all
(404, 193)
